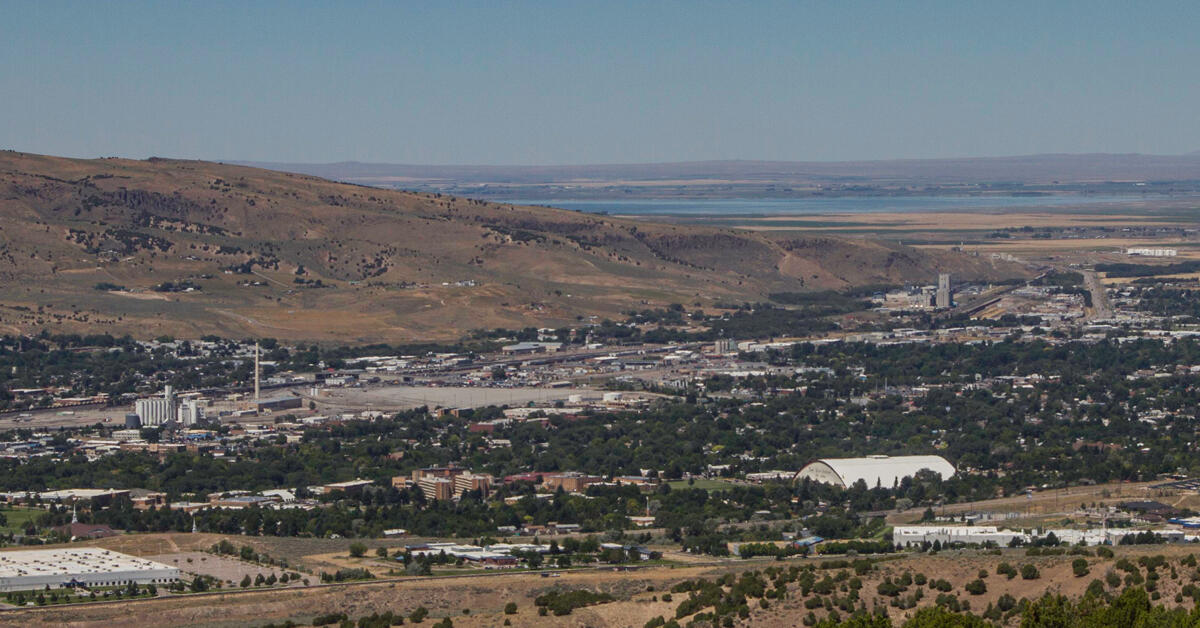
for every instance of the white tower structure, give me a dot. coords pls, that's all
(157, 411)
(942, 297)
(257, 372)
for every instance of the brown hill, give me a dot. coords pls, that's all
(240, 251)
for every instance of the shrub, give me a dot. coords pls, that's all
(563, 602)
(1080, 567)
(1029, 572)
(976, 587)
(510, 608)
(357, 550)
(1112, 579)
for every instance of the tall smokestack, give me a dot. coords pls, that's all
(257, 371)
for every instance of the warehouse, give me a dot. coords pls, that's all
(87, 566)
(875, 471)
(284, 402)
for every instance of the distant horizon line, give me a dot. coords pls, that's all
(346, 162)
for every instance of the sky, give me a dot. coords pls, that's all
(514, 83)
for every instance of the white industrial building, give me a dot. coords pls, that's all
(162, 410)
(26, 570)
(1144, 252)
(190, 412)
(157, 411)
(969, 535)
(885, 471)
(905, 536)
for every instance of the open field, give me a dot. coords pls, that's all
(636, 592)
(1117, 281)
(226, 569)
(17, 518)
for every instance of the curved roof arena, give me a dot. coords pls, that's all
(885, 471)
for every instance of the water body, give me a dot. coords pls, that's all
(834, 205)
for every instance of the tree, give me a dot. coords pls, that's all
(381, 552)
(357, 550)
(418, 615)
(976, 587)
(1080, 567)
(1029, 572)
(510, 608)
(245, 581)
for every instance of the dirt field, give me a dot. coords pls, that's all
(484, 596)
(224, 568)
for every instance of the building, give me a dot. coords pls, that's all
(436, 472)
(570, 481)
(145, 500)
(89, 566)
(190, 412)
(435, 488)
(78, 531)
(157, 411)
(284, 402)
(481, 482)
(127, 435)
(526, 348)
(875, 471)
(1152, 252)
(906, 536)
(100, 497)
(942, 297)
(353, 487)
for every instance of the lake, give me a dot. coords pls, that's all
(829, 205)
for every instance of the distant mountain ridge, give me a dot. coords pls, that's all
(1028, 169)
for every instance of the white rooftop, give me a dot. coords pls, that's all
(885, 471)
(68, 562)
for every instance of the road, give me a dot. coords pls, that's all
(1101, 309)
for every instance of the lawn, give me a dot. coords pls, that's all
(18, 518)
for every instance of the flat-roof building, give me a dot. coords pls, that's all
(435, 488)
(26, 570)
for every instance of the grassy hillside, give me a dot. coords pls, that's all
(189, 248)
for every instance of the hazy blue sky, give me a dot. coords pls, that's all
(590, 82)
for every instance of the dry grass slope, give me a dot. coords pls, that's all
(391, 266)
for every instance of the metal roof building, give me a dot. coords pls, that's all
(875, 471)
(25, 570)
